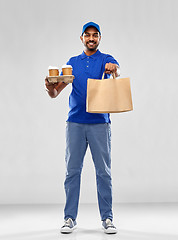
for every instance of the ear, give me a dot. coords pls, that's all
(81, 38)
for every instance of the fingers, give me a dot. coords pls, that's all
(110, 68)
(47, 83)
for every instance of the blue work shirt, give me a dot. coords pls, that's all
(85, 67)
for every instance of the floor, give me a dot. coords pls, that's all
(134, 222)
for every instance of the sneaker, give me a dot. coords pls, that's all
(69, 226)
(108, 226)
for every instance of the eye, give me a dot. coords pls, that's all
(95, 35)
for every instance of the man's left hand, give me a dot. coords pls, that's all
(111, 68)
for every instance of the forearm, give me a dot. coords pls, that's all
(60, 87)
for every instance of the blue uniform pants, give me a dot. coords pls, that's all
(78, 137)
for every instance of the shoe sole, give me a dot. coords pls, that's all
(67, 229)
(110, 230)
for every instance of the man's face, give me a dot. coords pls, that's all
(91, 38)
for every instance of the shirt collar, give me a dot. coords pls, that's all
(95, 55)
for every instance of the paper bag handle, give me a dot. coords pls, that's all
(113, 75)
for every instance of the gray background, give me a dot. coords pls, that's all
(142, 35)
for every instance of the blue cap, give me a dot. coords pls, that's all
(90, 24)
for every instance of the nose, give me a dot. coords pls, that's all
(91, 37)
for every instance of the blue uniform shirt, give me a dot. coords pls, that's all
(85, 67)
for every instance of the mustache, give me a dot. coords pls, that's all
(91, 42)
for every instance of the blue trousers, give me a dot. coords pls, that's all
(78, 137)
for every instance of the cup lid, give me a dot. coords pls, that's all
(66, 66)
(53, 67)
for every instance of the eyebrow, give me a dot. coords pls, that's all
(90, 33)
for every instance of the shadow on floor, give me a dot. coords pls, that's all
(88, 234)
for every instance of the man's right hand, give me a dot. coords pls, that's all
(54, 89)
(51, 88)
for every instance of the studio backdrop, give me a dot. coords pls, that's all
(142, 35)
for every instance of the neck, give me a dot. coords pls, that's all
(89, 53)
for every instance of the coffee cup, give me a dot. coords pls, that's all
(53, 71)
(67, 70)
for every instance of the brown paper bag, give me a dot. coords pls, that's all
(108, 95)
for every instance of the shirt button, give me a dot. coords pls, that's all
(87, 66)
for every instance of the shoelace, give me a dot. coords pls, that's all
(68, 223)
(109, 223)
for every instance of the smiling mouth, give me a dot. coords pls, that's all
(91, 44)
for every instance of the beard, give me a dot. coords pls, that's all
(91, 45)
